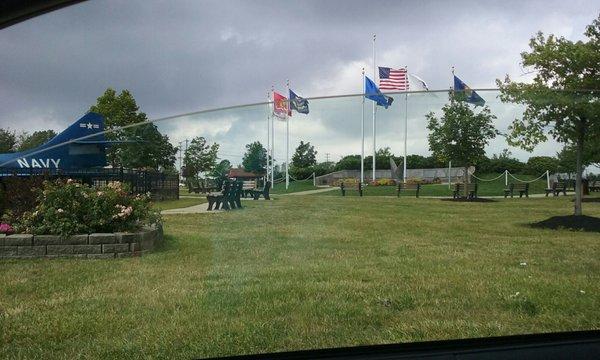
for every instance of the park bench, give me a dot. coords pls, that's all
(197, 186)
(217, 198)
(557, 188)
(459, 190)
(235, 194)
(247, 187)
(594, 185)
(256, 193)
(522, 188)
(406, 187)
(359, 188)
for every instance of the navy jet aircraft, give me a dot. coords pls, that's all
(73, 154)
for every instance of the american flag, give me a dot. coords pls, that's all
(393, 79)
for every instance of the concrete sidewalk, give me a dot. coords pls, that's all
(308, 192)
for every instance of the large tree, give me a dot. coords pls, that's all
(8, 141)
(460, 134)
(255, 158)
(29, 141)
(563, 100)
(143, 146)
(305, 156)
(200, 156)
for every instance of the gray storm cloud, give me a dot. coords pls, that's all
(182, 56)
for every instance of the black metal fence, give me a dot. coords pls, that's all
(161, 186)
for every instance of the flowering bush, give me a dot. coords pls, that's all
(67, 207)
(347, 182)
(383, 182)
(6, 229)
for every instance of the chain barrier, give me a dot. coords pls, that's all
(480, 179)
(310, 177)
(526, 181)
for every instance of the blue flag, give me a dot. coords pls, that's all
(373, 93)
(298, 103)
(466, 93)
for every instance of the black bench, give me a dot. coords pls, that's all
(459, 190)
(218, 198)
(256, 193)
(557, 188)
(359, 188)
(405, 187)
(594, 185)
(522, 188)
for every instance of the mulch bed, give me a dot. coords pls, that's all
(570, 222)
(477, 200)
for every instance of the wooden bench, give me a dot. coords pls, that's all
(556, 188)
(522, 188)
(256, 193)
(459, 190)
(247, 187)
(359, 188)
(217, 199)
(406, 187)
(594, 185)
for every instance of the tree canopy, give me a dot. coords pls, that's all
(563, 100)
(255, 158)
(460, 134)
(200, 156)
(305, 156)
(29, 141)
(8, 141)
(143, 145)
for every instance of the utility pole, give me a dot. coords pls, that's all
(327, 157)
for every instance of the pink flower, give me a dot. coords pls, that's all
(60, 211)
(70, 181)
(6, 228)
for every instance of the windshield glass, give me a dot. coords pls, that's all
(242, 190)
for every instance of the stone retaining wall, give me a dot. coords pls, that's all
(92, 246)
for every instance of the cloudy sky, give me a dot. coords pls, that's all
(182, 56)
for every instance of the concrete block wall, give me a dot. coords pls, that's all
(91, 246)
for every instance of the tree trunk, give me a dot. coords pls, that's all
(466, 181)
(579, 171)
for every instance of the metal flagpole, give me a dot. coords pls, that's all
(273, 140)
(374, 134)
(405, 123)
(268, 137)
(362, 129)
(287, 141)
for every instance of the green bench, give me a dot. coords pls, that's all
(521, 188)
(359, 188)
(557, 188)
(256, 193)
(459, 190)
(228, 198)
(403, 187)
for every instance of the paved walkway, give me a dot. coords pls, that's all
(196, 209)
(308, 192)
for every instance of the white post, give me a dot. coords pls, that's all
(273, 142)
(268, 136)
(505, 177)
(374, 109)
(449, 175)
(362, 128)
(314, 179)
(405, 132)
(548, 179)
(287, 142)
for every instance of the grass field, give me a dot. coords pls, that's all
(310, 272)
(180, 203)
(295, 186)
(485, 188)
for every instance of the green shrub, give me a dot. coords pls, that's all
(67, 207)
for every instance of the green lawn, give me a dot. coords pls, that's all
(310, 272)
(180, 203)
(295, 186)
(485, 188)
